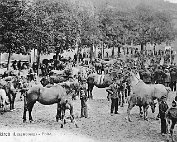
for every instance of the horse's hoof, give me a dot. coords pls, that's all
(77, 126)
(146, 119)
(31, 121)
(24, 121)
(157, 118)
(61, 125)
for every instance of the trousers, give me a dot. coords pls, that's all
(114, 105)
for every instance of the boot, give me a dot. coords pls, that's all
(82, 112)
(85, 112)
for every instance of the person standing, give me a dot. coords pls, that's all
(113, 91)
(162, 110)
(14, 65)
(83, 98)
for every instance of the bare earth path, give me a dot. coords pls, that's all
(100, 126)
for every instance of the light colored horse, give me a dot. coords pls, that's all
(3, 100)
(144, 94)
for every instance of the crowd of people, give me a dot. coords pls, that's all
(153, 68)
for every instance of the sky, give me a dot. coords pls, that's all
(173, 1)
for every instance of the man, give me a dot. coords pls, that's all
(167, 78)
(83, 98)
(162, 110)
(19, 65)
(113, 91)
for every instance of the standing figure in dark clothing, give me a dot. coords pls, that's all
(162, 110)
(113, 91)
(14, 65)
(19, 65)
(83, 98)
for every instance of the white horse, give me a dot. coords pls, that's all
(3, 99)
(144, 94)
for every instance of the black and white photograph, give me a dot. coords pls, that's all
(88, 70)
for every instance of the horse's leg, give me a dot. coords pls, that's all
(58, 116)
(72, 117)
(63, 121)
(30, 107)
(13, 100)
(130, 106)
(172, 128)
(141, 112)
(25, 110)
(21, 96)
(120, 99)
(90, 91)
(168, 123)
(158, 115)
(145, 108)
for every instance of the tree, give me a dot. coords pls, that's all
(152, 26)
(11, 27)
(39, 27)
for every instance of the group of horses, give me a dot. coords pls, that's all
(144, 95)
(61, 90)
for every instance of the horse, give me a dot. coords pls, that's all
(53, 79)
(10, 90)
(144, 94)
(48, 96)
(3, 100)
(100, 81)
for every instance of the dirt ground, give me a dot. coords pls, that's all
(99, 127)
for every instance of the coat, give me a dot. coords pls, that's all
(162, 109)
(168, 77)
(113, 90)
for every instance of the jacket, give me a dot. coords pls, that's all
(163, 107)
(113, 90)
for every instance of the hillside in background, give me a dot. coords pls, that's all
(124, 5)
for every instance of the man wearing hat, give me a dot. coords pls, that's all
(113, 91)
(83, 98)
(162, 110)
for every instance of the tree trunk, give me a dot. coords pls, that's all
(78, 54)
(102, 51)
(113, 52)
(154, 49)
(9, 59)
(142, 47)
(38, 60)
(91, 53)
(0, 59)
(118, 51)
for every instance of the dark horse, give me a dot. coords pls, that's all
(48, 96)
(100, 81)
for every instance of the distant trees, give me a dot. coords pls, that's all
(12, 27)
(152, 26)
(56, 25)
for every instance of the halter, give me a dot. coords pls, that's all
(138, 80)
